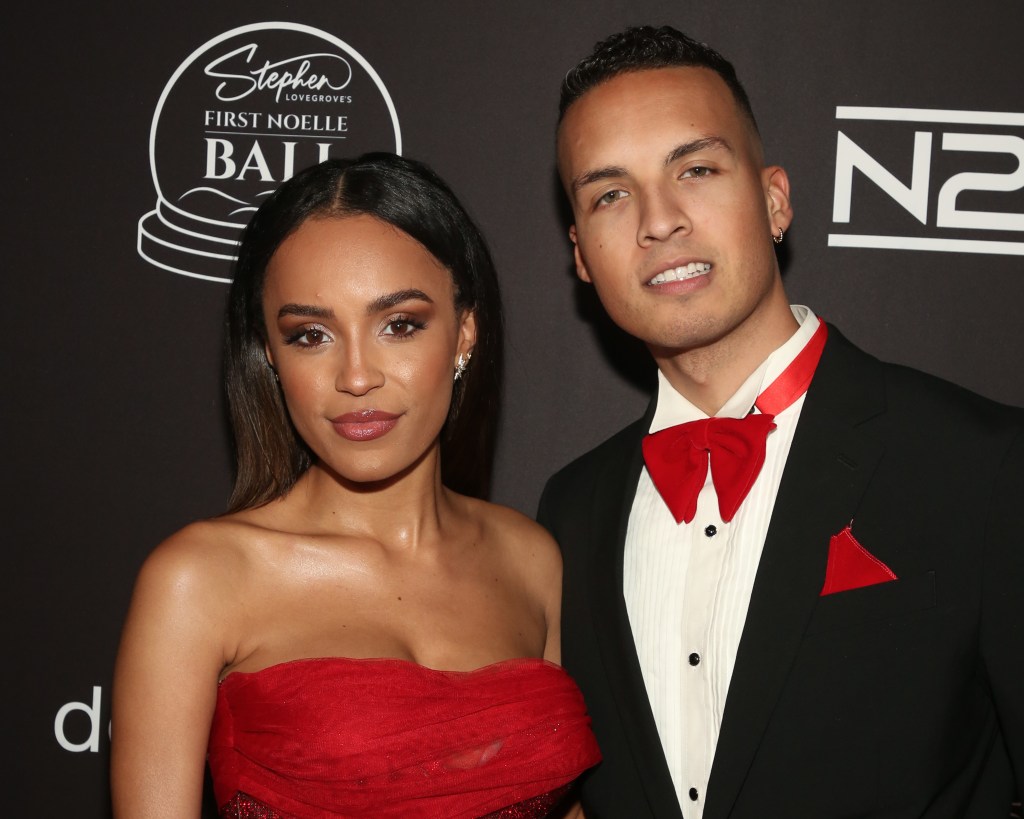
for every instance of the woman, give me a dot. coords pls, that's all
(363, 639)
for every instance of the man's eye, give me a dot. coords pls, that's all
(698, 172)
(611, 196)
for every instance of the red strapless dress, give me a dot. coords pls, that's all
(389, 738)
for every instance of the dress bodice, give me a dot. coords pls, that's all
(390, 738)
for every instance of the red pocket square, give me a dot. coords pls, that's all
(851, 566)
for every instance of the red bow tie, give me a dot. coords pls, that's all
(677, 460)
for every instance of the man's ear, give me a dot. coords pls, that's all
(776, 194)
(581, 267)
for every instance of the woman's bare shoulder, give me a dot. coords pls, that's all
(204, 544)
(205, 560)
(522, 540)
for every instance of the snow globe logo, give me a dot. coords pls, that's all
(242, 114)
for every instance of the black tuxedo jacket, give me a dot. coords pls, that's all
(904, 699)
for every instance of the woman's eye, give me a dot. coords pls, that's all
(402, 327)
(308, 337)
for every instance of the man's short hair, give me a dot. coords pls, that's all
(643, 48)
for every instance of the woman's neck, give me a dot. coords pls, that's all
(405, 511)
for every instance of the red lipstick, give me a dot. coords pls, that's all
(364, 425)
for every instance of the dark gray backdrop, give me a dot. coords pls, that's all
(115, 435)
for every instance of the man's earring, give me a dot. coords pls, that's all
(777, 239)
(461, 364)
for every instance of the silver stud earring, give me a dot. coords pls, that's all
(777, 239)
(461, 364)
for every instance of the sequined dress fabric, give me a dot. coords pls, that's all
(334, 737)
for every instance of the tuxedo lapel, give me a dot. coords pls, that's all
(829, 466)
(613, 501)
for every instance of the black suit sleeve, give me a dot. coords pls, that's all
(1002, 620)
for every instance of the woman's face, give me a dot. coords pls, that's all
(364, 335)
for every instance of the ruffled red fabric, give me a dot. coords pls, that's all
(389, 738)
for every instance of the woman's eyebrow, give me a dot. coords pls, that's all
(311, 310)
(378, 305)
(389, 300)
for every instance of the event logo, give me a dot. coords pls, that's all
(935, 180)
(243, 113)
(74, 738)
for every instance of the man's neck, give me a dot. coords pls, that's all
(708, 376)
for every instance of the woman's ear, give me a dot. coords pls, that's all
(467, 333)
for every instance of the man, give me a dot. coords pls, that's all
(827, 622)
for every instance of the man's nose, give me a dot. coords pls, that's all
(661, 215)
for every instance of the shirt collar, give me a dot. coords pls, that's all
(674, 409)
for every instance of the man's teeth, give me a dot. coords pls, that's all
(678, 274)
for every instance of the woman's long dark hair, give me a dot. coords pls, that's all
(408, 195)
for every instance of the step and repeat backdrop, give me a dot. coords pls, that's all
(138, 138)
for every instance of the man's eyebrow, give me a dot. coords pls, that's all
(389, 300)
(614, 171)
(589, 177)
(693, 146)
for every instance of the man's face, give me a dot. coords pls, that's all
(674, 211)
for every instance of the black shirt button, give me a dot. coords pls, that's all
(710, 530)
(693, 794)
(695, 658)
